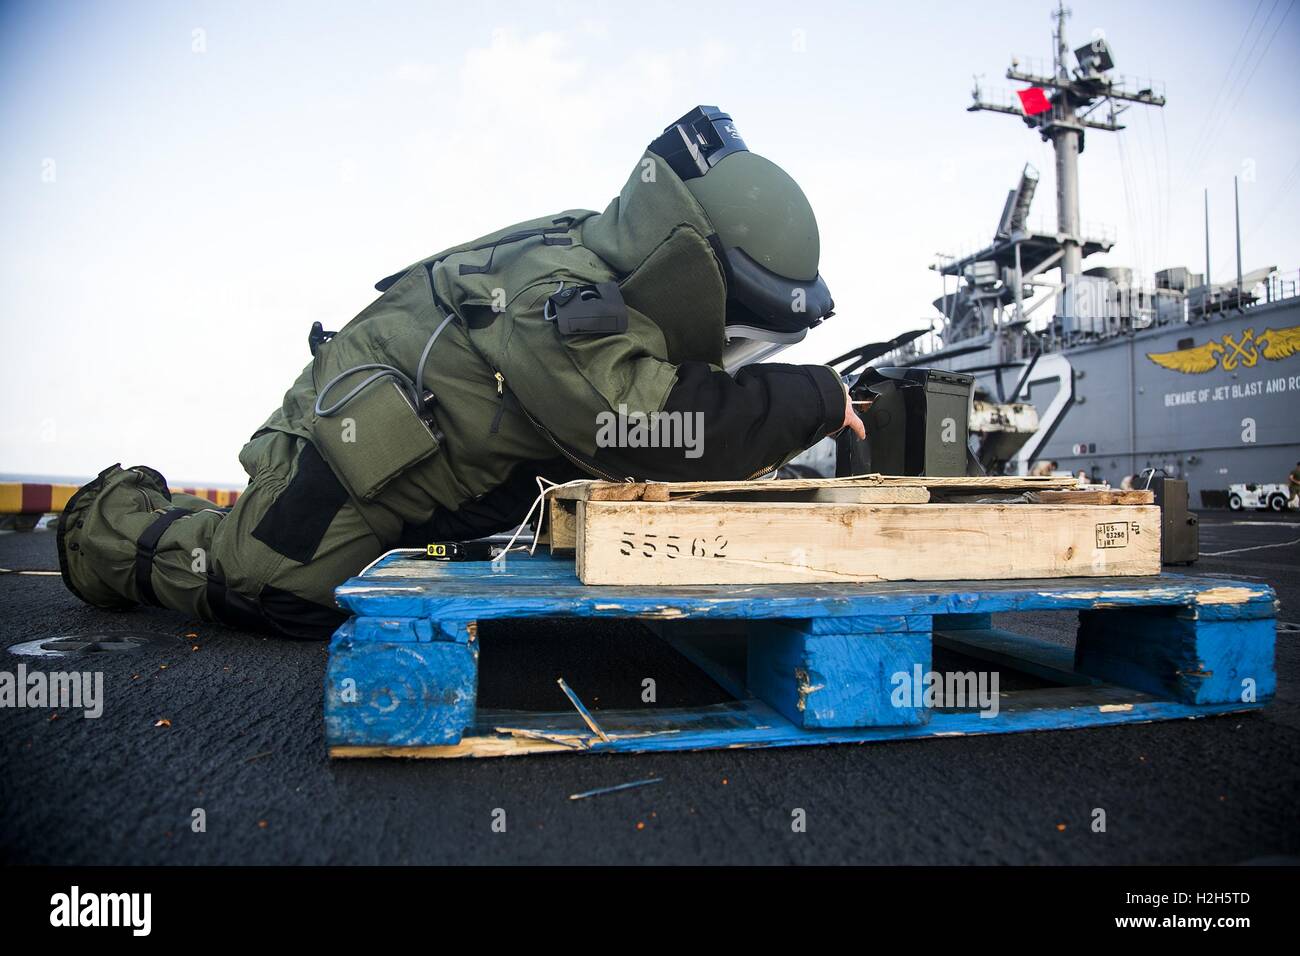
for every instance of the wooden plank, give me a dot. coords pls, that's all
(667, 490)
(561, 525)
(409, 692)
(1178, 655)
(697, 543)
(522, 586)
(752, 723)
(835, 680)
(885, 495)
(1029, 655)
(849, 494)
(1106, 497)
(718, 648)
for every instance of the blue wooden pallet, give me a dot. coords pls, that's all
(808, 664)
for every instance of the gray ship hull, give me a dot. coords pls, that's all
(1215, 402)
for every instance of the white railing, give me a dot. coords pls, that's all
(1129, 83)
(1041, 225)
(1280, 285)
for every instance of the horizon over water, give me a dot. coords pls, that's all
(45, 479)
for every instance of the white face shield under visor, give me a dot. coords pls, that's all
(747, 345)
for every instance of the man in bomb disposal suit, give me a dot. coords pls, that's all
(428, 416)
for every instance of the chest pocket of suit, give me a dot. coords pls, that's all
(587, 310)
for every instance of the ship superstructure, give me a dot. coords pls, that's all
(1200, 380)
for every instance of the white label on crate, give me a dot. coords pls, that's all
(1112, 534)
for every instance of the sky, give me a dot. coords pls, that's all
(186, 187)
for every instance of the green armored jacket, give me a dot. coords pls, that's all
(519, 387)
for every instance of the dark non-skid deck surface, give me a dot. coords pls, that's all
(246, 745)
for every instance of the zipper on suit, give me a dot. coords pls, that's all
(501, 402)
(546, 432)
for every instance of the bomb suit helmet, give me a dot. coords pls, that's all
(765, 234)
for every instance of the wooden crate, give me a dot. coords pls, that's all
(865, 529)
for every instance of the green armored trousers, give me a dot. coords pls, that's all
(269, 563)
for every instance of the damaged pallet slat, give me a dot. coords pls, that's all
(752, 723)
(688, 542)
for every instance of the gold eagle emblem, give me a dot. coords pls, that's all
(1272, 344)
(1203, 358)
(1280, 343)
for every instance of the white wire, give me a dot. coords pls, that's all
(1211, 115)
(1240, 85)
(362, 572)
(545, 487)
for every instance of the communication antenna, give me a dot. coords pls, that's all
(1060, 107)
(1236, 204)
(1207, 241)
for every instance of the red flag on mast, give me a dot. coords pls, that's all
(1034, 101)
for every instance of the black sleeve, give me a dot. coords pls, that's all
(731, 428)
(499, 510)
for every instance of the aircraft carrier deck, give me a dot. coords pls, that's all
(245, 743)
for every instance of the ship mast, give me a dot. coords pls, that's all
(1066, 136)
(1075, 95)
